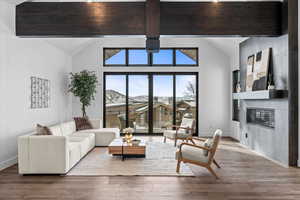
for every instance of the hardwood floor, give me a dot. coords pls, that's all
(244, 175)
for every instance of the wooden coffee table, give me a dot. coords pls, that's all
(119, 148)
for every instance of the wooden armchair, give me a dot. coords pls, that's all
(199, 155)
(183, 132)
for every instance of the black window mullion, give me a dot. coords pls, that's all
(150, 59)
(150, 103)
(174, 57)
(126, 57)
(174, 99)
(127, 101)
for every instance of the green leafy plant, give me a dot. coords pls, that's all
(83, 85)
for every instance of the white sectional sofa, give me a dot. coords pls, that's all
(58, 153)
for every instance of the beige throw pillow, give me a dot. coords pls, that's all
(42, 130)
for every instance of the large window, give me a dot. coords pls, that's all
(149, 102)
(140, 57)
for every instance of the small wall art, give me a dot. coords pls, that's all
(257, 70)
(40, 93)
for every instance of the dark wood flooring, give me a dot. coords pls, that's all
(244, 175)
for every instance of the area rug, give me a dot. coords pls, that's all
(159, 161)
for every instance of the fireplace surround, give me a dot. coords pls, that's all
(261, 116)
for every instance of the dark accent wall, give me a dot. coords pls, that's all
(271, 142)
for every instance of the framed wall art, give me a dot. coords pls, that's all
(40, 93)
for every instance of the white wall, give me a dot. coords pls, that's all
(214, 77)
(19, 60)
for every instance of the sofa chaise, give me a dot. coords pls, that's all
(58, 153)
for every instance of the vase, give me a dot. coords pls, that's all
(128, 137)
(238, 88)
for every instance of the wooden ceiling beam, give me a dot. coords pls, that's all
(152, 25)
(83, 19)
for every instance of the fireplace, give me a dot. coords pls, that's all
(261, 116)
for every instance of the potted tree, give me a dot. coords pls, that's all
(83, 85)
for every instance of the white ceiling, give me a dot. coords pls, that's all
(70, 45)
(73, 45)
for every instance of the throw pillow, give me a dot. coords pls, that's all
(82, 123)
(207, 144)
(42, 130)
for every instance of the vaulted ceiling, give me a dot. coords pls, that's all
(73, 45)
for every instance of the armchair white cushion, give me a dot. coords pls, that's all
(192, 153)
(171, 134)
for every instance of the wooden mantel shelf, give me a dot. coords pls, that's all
(262, 94)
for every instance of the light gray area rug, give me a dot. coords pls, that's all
(160, 161)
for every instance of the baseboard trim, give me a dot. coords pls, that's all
(264, 156)
(8, 163)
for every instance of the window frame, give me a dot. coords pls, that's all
(150, 58)
(150, 100)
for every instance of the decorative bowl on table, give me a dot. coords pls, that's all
(135, 142)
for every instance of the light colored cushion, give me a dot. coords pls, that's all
(192, 153)
(90, 136)
(103, 136)
(74, 153)
(68, 128)
(207, 143)
(186, 123)
(84, 143)
(171, 134)
(48, 154)
(56, 130)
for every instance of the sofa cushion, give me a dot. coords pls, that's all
(103, 136)
(91, 137)
(74, 153)
(68, 128)
(82, 123)
(56, 130)
(84, 143)
(42, 130)
(78, 134)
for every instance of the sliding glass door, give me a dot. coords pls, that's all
(149, 102)
(115, 101)
(186, 97)
(138, 105)
(163, 100)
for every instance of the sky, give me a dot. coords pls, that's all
(138, 84)
(140, 57)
